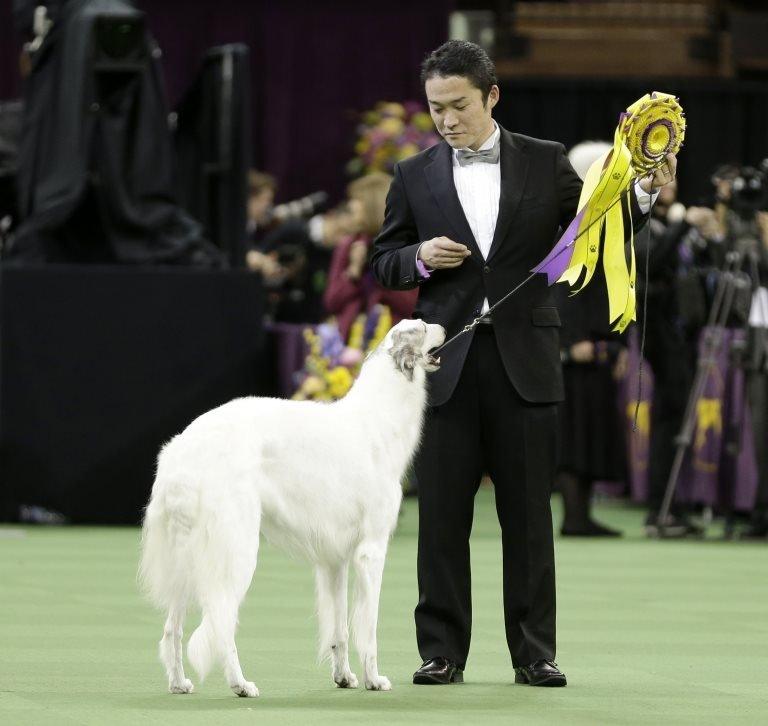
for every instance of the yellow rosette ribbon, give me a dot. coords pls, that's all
(652, 127)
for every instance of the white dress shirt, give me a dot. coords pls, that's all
(478, 187)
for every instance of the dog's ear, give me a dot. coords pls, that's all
(404, 353)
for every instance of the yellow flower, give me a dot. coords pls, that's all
(339, 381)
(391, 126)
(356, 333)
(362, 145)
(312, 386)
(391, 109)
(407, 150)
(422, 121)
(383, 325)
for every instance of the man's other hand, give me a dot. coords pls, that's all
(441, 253)
(664, 175)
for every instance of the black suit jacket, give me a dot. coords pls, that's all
(539, 195)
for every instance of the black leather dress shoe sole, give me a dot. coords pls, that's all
(428, 679)
(550, 681)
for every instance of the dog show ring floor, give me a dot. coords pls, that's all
(649, 632)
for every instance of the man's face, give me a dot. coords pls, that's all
(457, 109)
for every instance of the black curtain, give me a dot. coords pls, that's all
(727, 120)
(99, 366)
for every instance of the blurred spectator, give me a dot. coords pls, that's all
(261, 197)
(351, 288)
(293, 259)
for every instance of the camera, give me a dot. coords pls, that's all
(748, 187)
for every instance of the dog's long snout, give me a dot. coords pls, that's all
(435, 338)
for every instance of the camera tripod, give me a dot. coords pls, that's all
(732, 279)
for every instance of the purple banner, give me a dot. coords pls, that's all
(719, 468)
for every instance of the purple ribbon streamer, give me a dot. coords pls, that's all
(558, 260)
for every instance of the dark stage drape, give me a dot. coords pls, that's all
(314, 67)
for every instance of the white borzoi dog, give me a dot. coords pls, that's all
(321, 480)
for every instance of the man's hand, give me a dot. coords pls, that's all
(441, 253)
(664, 175)
(583, 352)
(271, 270)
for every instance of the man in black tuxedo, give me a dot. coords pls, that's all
(467, 220)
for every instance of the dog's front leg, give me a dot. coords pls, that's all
(369, 567)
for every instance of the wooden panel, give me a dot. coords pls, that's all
(588, 52)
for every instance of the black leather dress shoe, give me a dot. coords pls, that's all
(540, 673)
(438, 671)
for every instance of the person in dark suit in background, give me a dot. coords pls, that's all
(466, 220)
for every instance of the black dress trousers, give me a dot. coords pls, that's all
(486, 427)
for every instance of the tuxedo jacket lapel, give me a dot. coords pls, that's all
(514, 171)
(439, 174)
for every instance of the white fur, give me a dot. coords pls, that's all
(321, 480)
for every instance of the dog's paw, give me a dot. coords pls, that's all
(347, 680)
(246, 689)
(378, 683)
(183, 686)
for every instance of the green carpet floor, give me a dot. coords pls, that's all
(649, 633)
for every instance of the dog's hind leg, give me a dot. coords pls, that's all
(233, 672)
(171, 653)
(369, 567)
(332, 615)
(228, 625)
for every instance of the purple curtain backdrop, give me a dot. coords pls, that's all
(314, 67)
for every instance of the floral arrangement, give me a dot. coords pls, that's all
(331, 366)
(388, 133)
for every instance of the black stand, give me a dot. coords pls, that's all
(731, 279)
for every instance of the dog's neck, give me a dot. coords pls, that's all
(384, 390)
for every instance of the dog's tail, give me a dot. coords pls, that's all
(165, 568)
(215, 629)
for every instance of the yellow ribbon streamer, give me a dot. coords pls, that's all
(652, 127)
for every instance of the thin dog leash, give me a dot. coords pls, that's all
(471, 326)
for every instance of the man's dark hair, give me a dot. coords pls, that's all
(461, 58)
